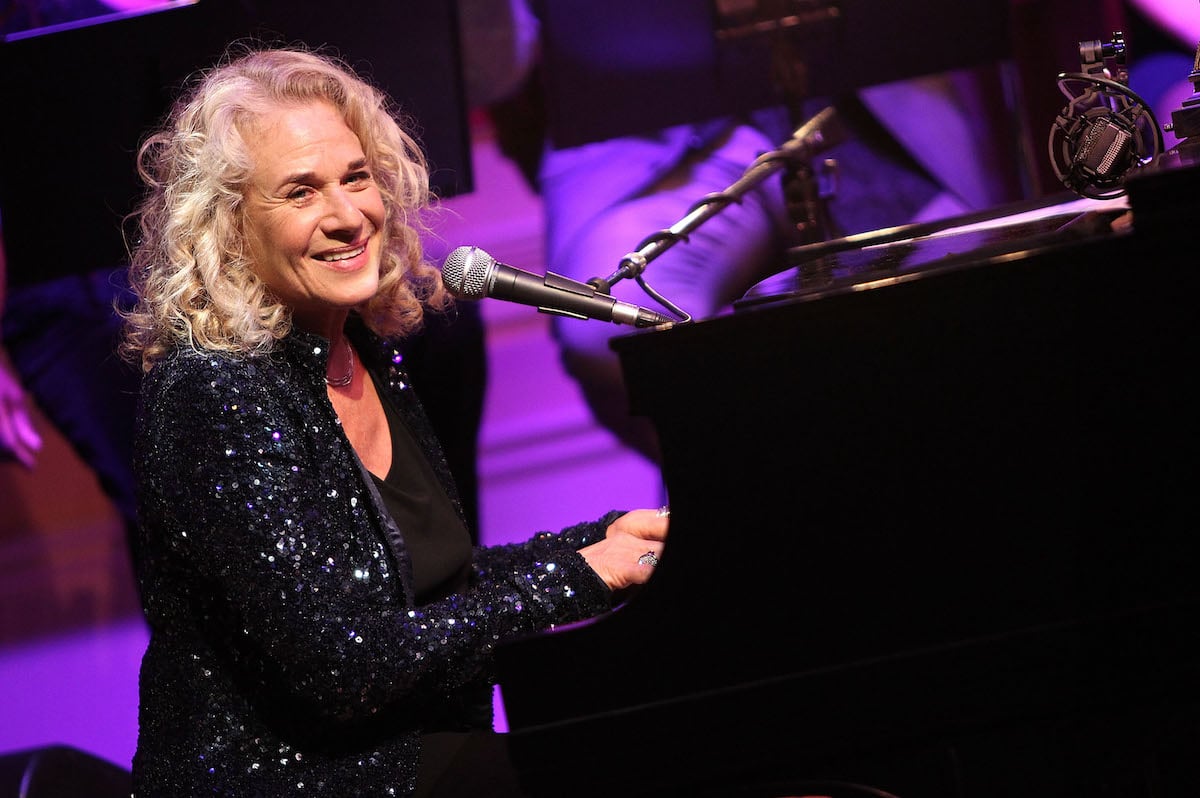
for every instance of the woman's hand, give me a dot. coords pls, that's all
(631, 549)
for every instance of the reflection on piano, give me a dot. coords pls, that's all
(932, 532)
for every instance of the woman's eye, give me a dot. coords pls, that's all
(358, 177)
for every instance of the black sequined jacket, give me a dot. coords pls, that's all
(286, 655)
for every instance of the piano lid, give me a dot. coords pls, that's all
(881, 257)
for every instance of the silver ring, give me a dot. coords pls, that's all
(664, 511)
(649, 558)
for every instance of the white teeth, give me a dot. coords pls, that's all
(343, 255)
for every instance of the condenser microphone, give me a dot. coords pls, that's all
(471, 273)
(1106, 130)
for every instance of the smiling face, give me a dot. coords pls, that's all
(314, 215)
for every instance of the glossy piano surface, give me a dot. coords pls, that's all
(868, 260)
(932, 532)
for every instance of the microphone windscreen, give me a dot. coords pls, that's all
(465, 272)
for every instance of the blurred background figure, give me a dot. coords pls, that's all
(582, 97)
(612, 168)
(63, 188)
(59, 330)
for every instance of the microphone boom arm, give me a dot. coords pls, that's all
(820, 132)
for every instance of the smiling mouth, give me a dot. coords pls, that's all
(337, 256)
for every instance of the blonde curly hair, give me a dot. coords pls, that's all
(190, 266)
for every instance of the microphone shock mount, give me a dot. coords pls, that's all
(1105, 130)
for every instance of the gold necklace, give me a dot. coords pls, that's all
(342, 382)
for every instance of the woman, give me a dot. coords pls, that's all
(319, 621)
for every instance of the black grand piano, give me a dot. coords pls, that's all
(933, 533)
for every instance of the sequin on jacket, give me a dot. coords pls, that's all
(286, 656)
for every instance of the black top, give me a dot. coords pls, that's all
(437, 539)
(439, 547)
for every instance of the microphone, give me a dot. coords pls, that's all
(1106, 130)
(471, 273)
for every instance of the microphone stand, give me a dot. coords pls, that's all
(1185, 120)
(822, 131)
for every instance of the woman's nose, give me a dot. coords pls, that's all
(342, 212)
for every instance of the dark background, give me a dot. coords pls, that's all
(78, 101)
